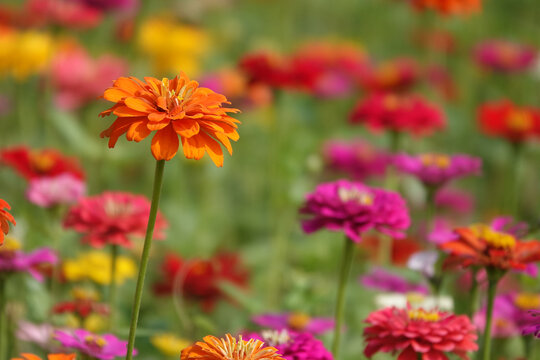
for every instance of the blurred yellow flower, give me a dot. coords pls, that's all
(169, 344)
(172, 47)
(94, 323)
(24, 53)
(96, 266)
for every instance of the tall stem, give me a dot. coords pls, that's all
(475, 293)
(493, 279)
(158, 180)
(514, 186)
(112, 286)
(3, 319)
(346, 264)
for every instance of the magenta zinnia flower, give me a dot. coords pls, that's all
(436, 169)
(13, 260)
(111, 218)
(504, 56)
(293, 345)
(415, 331)
(355, 208)
(63, 189)
(532, 324)
(505, 316)
(380, 279)
(295, 322)
(104, 347)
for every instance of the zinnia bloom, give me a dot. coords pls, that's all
(506, 120)
(532, 325)
(96, 266)
(436, 169)
(484, 246)
(504, 323)
(169, 344)
(268, 68)
(64, 189)
(112, 218)
(296, 322)
(13, 260)
(450, 7)
(415, 331)
(103, 347)
(401, 249)
(399, 113)
(504, 56)
(457, 201)
(354, 208)
(5, 219)
(32, 164)
(172, 108)
(39, 334)
(398, 75)
(294, 346)
(26, 356)
(382, 280)
(229, 348)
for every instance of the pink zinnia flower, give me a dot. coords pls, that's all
(411, 332)
(398, 113)
(38, 334)
(532, 324)
(79, 79)
(13, 260)
(358, 159)
(295, 322)
(380, 279)
(68, 13)
(112, 5)
(505, 318)
(355, 208)
(504, 56)
(111, 218)
(104, 347)
(294, 346)
(435, 169)
(458, 201)
(59, 190)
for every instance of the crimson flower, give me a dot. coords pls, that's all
(504, 119)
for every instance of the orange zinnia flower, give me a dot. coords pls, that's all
(481, 245)
(49, 357)
(229, 349)
(171, 108)
(450, 7)
(5, 219)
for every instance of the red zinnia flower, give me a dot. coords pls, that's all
(199, 279)
(268, 68)
(450, 7)
(504, 119)
(32, 164)
(481, 245)
(111, 218)
(5, 219)
(396, 75)
(413, 332)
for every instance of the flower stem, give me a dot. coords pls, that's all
(346, 264)
(475, 294)
(3, 319)
(514, 186)
(493, 279)
(112, 286)
(158, 180)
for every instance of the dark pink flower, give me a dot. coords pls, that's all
(64, 189)
(455, 200)
(294, 346)
(103, 347)
(355, 208)
(380, 279)
(295, 322)
(13, 260)
(504, 56)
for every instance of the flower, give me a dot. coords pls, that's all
(504, 56)
(399, 113)
(382, 280)
(169, 344)
(483, 245)
(96, 266)
(458, 201)
(295, 321)
(354, 208)
(112, 5)
(416, 331)
(13, 260)
(442, 232)
(199, 279)
(397, 75)
(172, 108)
(111, 218)
(358, 159)
(63, 189)
(26, 356)
(39, 334)
(268, 68)
(31, 164)
(5, 219)
(229, 348)
(78, 79)
(70, 14)
(532, 325)
(81, 307)
(449, 7)
(424, 262)
(104, 347)
(413, 300)
(401, 249)
(504, 323)
(504, 119)
(437, 169)
(294, 346)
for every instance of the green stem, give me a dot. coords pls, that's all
(158, 180)
(392, 179)
(112, 286)
(514, 183)
(493, 279)
(3, 319)
(419, 356)
(346, 264)
(475, 294)
(431, 208)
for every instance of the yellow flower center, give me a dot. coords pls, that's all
(508, 53)
(494, 238)
(95, 341)
(519, 120)
(354, 194)
(527, 301)
(440, 161)
(41, 161)
(415, 298)
(298, 321)
(422, 315)
(80, 293)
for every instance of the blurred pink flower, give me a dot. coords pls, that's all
(383, 280)
(39, 334)
(505, 317)
(296, 322)
(13, 260)
(442, 232)
(103, 347)
(68, 13)
(504, 56)
(63, 189)
(79, 79)
(293, 345)
(458, 201)
(112, 5)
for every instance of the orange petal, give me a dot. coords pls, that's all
(193, 147)
(155, 126)
(124, 111)
(186, 128)
(128, 85)
(165, 144)
(139, 104)
(118, 127)
(115, 94)
(157, 116)
(213, 149)
(138, 131)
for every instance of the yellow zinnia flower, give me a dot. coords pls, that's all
(169, 344)
(96, 266)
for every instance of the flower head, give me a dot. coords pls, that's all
(172, 108)
(380, 279)
(416, 331)
(294, 346)
(111, 5)
(504, 119)
(424, 262)
(532, 324)
(268, 68)
(295, 321)
(5, 219)
(39, 334)
(399, 113)
(14, 260)
(437, 169)
(449, 7)
(169, 344)
(354, 208)
(103, 347)
(96, 266)
(229, 348)
(64, 189)
(112, 218)
(398, 75)
(504, 56)
(26, 356)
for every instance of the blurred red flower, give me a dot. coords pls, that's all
(504, 119)
(198, 279)
(450, 7)
(30, 163)
(397, 75)
(401, 249)
(268, 68)
(5, 219)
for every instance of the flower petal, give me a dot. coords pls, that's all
(165, 144)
